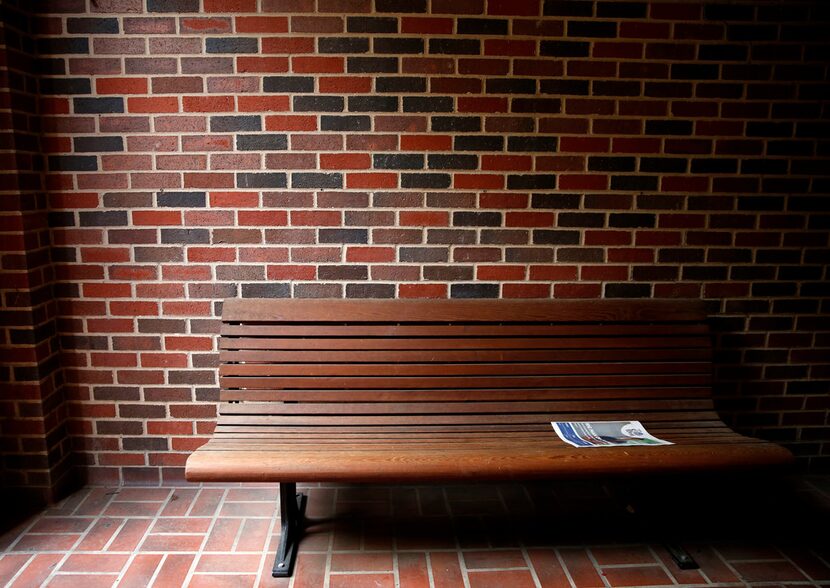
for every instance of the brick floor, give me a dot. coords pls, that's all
(482, 536)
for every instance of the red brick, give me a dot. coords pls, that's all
(153, 105)
(288, 45)
(494, 273)
(291, 123)
(126, 162)
(156, 217)
(134, 308)
(583, 182)
(513, 7)
(424, 218)
(483, 104)
(371, 180)
(208, 180)
(503, 200)
(302, 64)
(636, 145)
(509, 47)
(248, 64)
(121, 85)
(618, 49)
(631, 255)
(316, 218)
(283, 161)
(683, 183)
(262, 218)
(230, 6)
(291, 272)
(181, 162)
(234, 199)
(506, 162)
(207, 103)
(263, 103)
(644, 30)
(478, 181)
(426, 143)
(426, 25)
(345, 161)
(206, 143)
(205, 25)
(104, 255)
(209, 254)
(578, 291)
(234, 161)
(344, 84)
(261, 24)
(422, 291)
(529, 219)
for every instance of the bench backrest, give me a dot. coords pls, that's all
(455, 363)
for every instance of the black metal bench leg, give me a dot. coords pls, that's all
(292, 513)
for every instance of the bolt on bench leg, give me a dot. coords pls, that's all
(292, 513)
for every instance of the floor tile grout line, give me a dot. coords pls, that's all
(266, 550)
(797, 567)
(430, 572)
(658, 562)
(597, 567)
(22, 569)
(126, 567)
(462, 564)
(564, 567)
(73, 548)
(728, 564)
(215, 517)
(530, 566)
(157, 571)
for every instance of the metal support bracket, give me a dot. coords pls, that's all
(681, 557)
(292, 515)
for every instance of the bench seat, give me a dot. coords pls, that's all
(469, 457)
(461, 390)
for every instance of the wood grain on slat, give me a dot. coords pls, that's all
(459, 330)
(468, 394)
(442, 369)
(448, 419)
(524, 461)
(475, 311)
(499, 408)
(323, 343)
(467, 356)
(455, 382)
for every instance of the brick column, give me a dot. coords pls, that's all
(35, 446)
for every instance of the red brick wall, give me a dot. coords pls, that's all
(203, 149)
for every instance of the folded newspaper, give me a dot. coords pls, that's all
(605, 434)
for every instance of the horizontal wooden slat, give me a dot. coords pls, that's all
(468, 355)
(456, 382)
(370, 435)
(323, 343)
(448, 395)
(425, 408)
(476, 311)
(542, 459)
(453, 419)
(456, 369)
(231, 330)
(499, 429)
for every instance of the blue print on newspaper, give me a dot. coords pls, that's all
(606, 434)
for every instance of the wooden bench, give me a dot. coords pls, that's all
(459, 390)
